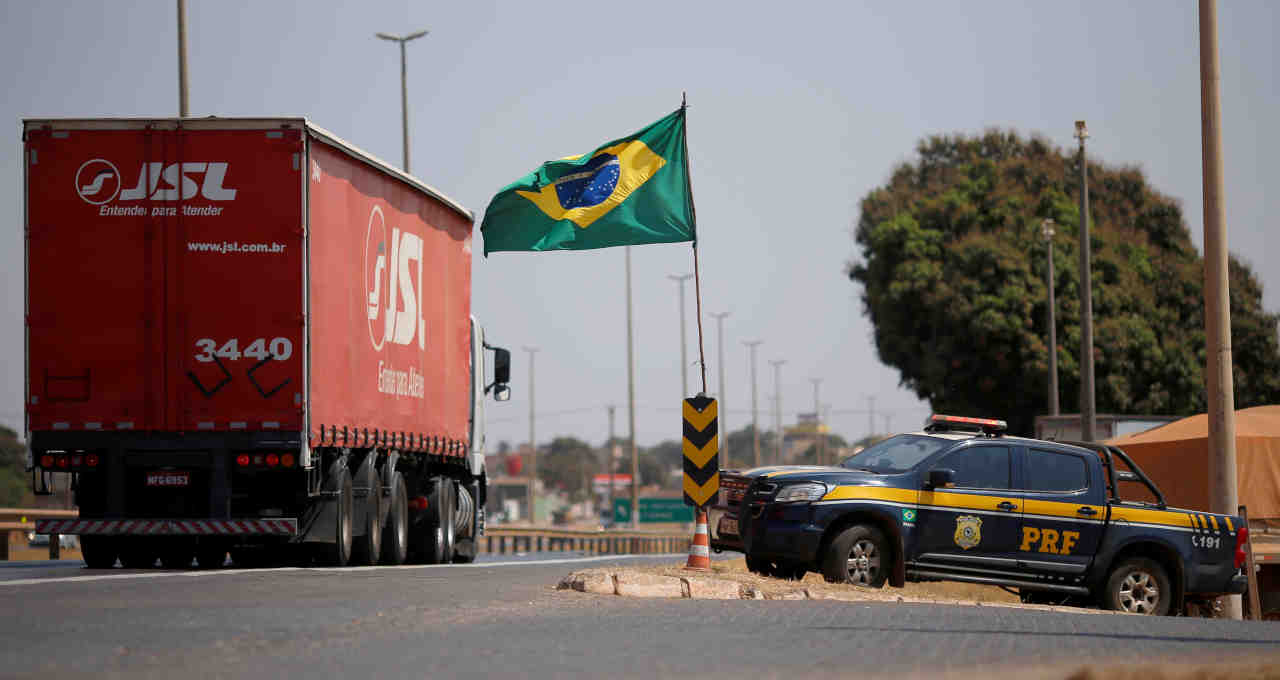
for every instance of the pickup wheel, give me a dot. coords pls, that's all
(1138, 585)
(99, 552)
(858, 555)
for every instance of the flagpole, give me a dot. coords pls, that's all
(693, 213)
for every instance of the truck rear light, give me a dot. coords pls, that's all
(273, 460)
(287, 460)
(62, 460)
(418, 504)
(46, 461)
(258, 459)
(242, 460)
(1242, 538)
(91, 460)
(77, 460)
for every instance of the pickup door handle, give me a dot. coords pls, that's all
(1088, 511)
(1006, 505)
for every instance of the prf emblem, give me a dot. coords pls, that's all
(968, 531)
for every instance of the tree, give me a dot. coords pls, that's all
(568, 464)
(13, 478)
(953, 270)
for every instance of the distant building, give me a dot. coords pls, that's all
(1066, 427)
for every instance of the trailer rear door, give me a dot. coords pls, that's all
(165, 272)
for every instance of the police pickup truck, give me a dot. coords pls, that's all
(960, 501)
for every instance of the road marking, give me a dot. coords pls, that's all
(233, 572)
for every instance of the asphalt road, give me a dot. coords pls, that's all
(504, 619)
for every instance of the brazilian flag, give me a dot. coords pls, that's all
(629, 191)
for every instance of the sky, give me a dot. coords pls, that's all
(797, 110)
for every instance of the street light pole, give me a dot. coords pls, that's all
(1047, 227)
(755, 411)
(631, 407)
(777, 409)
(819, 440)
(404, 87)
(684, 359)
(1087, 407)
(533, 441)
(182, 59)
(610, 450)
(1219, 383)
(723, 429)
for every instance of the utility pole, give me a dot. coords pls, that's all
(182, 59)
(1087, 408)
(533, 441)
(819, 439)
(755, 411)
(684, 359)
(1046, 227)
(777, 409)
(611, 451)
(631, 407)
(888, 423)
(404, 87)
(722, 411)
(1220, 383)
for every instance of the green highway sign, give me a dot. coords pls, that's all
(653, 510)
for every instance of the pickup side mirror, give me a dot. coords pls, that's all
(940, 478)
(501, 393)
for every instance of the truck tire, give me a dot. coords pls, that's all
(433, 540)
(1138, 585)
(99, 552)
(858, 555)
(366, 548)
(177, 552)
(211, 555)
(338, 553)
(137, 553)
(395, 535)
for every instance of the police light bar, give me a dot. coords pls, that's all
(984, 425)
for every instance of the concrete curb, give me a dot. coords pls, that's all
(626, 583)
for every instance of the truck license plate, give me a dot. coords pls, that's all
(168, 478)
(728, 525)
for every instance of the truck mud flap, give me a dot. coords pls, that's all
(320, 520)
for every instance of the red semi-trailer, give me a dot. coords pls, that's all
(248, 335)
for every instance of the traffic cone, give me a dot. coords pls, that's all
(700, 548)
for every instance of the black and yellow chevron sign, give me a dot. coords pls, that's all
(701, 452)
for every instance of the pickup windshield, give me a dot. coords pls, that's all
(895, 454)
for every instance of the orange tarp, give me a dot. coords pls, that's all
(1176, 458)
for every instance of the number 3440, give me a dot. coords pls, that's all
(279, 349)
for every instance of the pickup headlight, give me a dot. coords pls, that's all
(793, 493)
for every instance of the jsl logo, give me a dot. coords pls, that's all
(98, 182)
(390, 293)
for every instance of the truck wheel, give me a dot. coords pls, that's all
(859, 555)
(395, 535)
(211, 555)
(137, 553)
(434, 537)
(338, 553)
(367, 548)
(177, 553)
(1138, 585)
(99, 552)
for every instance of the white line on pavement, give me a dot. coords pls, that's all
(232, 572)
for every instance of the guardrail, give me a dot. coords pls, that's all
(504, 540)
(497, 540)
(23, 520)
